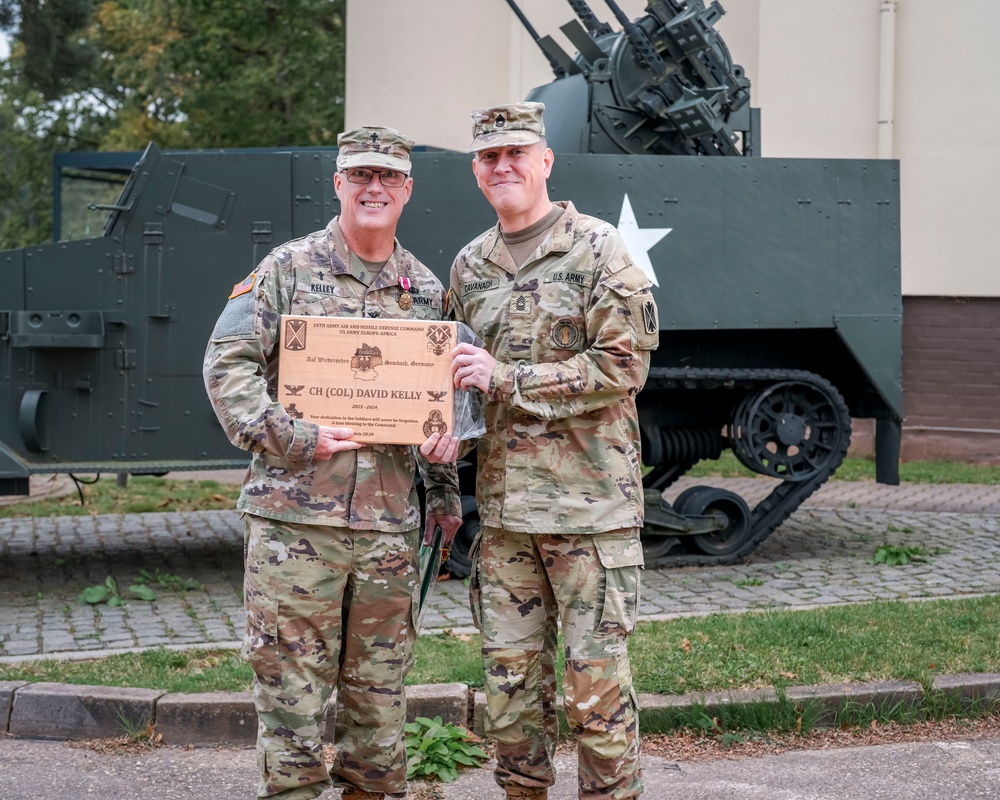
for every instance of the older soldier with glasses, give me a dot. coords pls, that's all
(568, 321)
(390, 178)
(331, 525)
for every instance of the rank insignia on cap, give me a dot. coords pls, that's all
(245, 286)
(500, 121)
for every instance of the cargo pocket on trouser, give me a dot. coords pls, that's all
(260, 641)
(475, 583)
(621, 558)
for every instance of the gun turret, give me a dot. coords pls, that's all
(664, 84)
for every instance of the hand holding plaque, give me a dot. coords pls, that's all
(389, 380)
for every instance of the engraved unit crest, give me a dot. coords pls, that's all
(295, 334)
(438, 339)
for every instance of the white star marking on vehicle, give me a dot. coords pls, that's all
(639, 240)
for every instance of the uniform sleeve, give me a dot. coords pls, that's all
(440, 487)
(241, 354)
(622, 328)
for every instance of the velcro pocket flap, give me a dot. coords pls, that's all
(619, 549)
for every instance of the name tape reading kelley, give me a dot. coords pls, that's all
(389, 380)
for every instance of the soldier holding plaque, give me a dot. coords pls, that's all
(568, 322)
(331, 525)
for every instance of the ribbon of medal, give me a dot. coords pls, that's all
(405, 298)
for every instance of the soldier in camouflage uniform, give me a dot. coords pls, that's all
(331, 585)
(569, 322)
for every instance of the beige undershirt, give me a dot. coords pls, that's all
(373, 267)
(523, 243)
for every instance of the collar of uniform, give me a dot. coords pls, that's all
(342, 261)
(561, 240)
(397, 265)
(496, 251)
(562, 233)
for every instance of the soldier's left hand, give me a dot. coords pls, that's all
(440, 448)
(472, 366)
(449, 525)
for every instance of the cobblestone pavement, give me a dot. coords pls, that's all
(820, 556)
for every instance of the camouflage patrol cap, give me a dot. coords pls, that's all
(372, 146)
(506, 125)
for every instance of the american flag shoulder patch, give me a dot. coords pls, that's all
(245, 286)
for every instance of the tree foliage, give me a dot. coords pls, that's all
(114, 75)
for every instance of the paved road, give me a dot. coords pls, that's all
(818, 557)
(965, 770)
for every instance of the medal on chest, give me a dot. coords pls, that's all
(405, 298)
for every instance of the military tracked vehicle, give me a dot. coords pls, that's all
(777, 281)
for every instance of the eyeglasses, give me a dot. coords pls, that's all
(392, 178)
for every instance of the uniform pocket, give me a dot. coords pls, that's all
(621, 558)
(260, 641)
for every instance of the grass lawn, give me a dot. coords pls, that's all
(855, 643)
(868, 642)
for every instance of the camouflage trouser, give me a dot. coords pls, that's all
(327, 608)
(521, 584)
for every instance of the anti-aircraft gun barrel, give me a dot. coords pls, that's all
(589, 20)
(645, 50)
(562, 65)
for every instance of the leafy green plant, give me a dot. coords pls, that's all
(435, 750)
(743, 582)
(107, 592)
(895, 555)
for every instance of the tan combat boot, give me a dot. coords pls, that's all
(353, 793)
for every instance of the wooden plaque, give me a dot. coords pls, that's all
(389, 380)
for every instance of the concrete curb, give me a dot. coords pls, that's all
(63, 711)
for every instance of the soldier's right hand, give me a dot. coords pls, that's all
(334, 440)
(440, 448)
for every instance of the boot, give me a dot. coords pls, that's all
(354, 793)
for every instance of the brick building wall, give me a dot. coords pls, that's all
(951, 382)
(951, 378)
